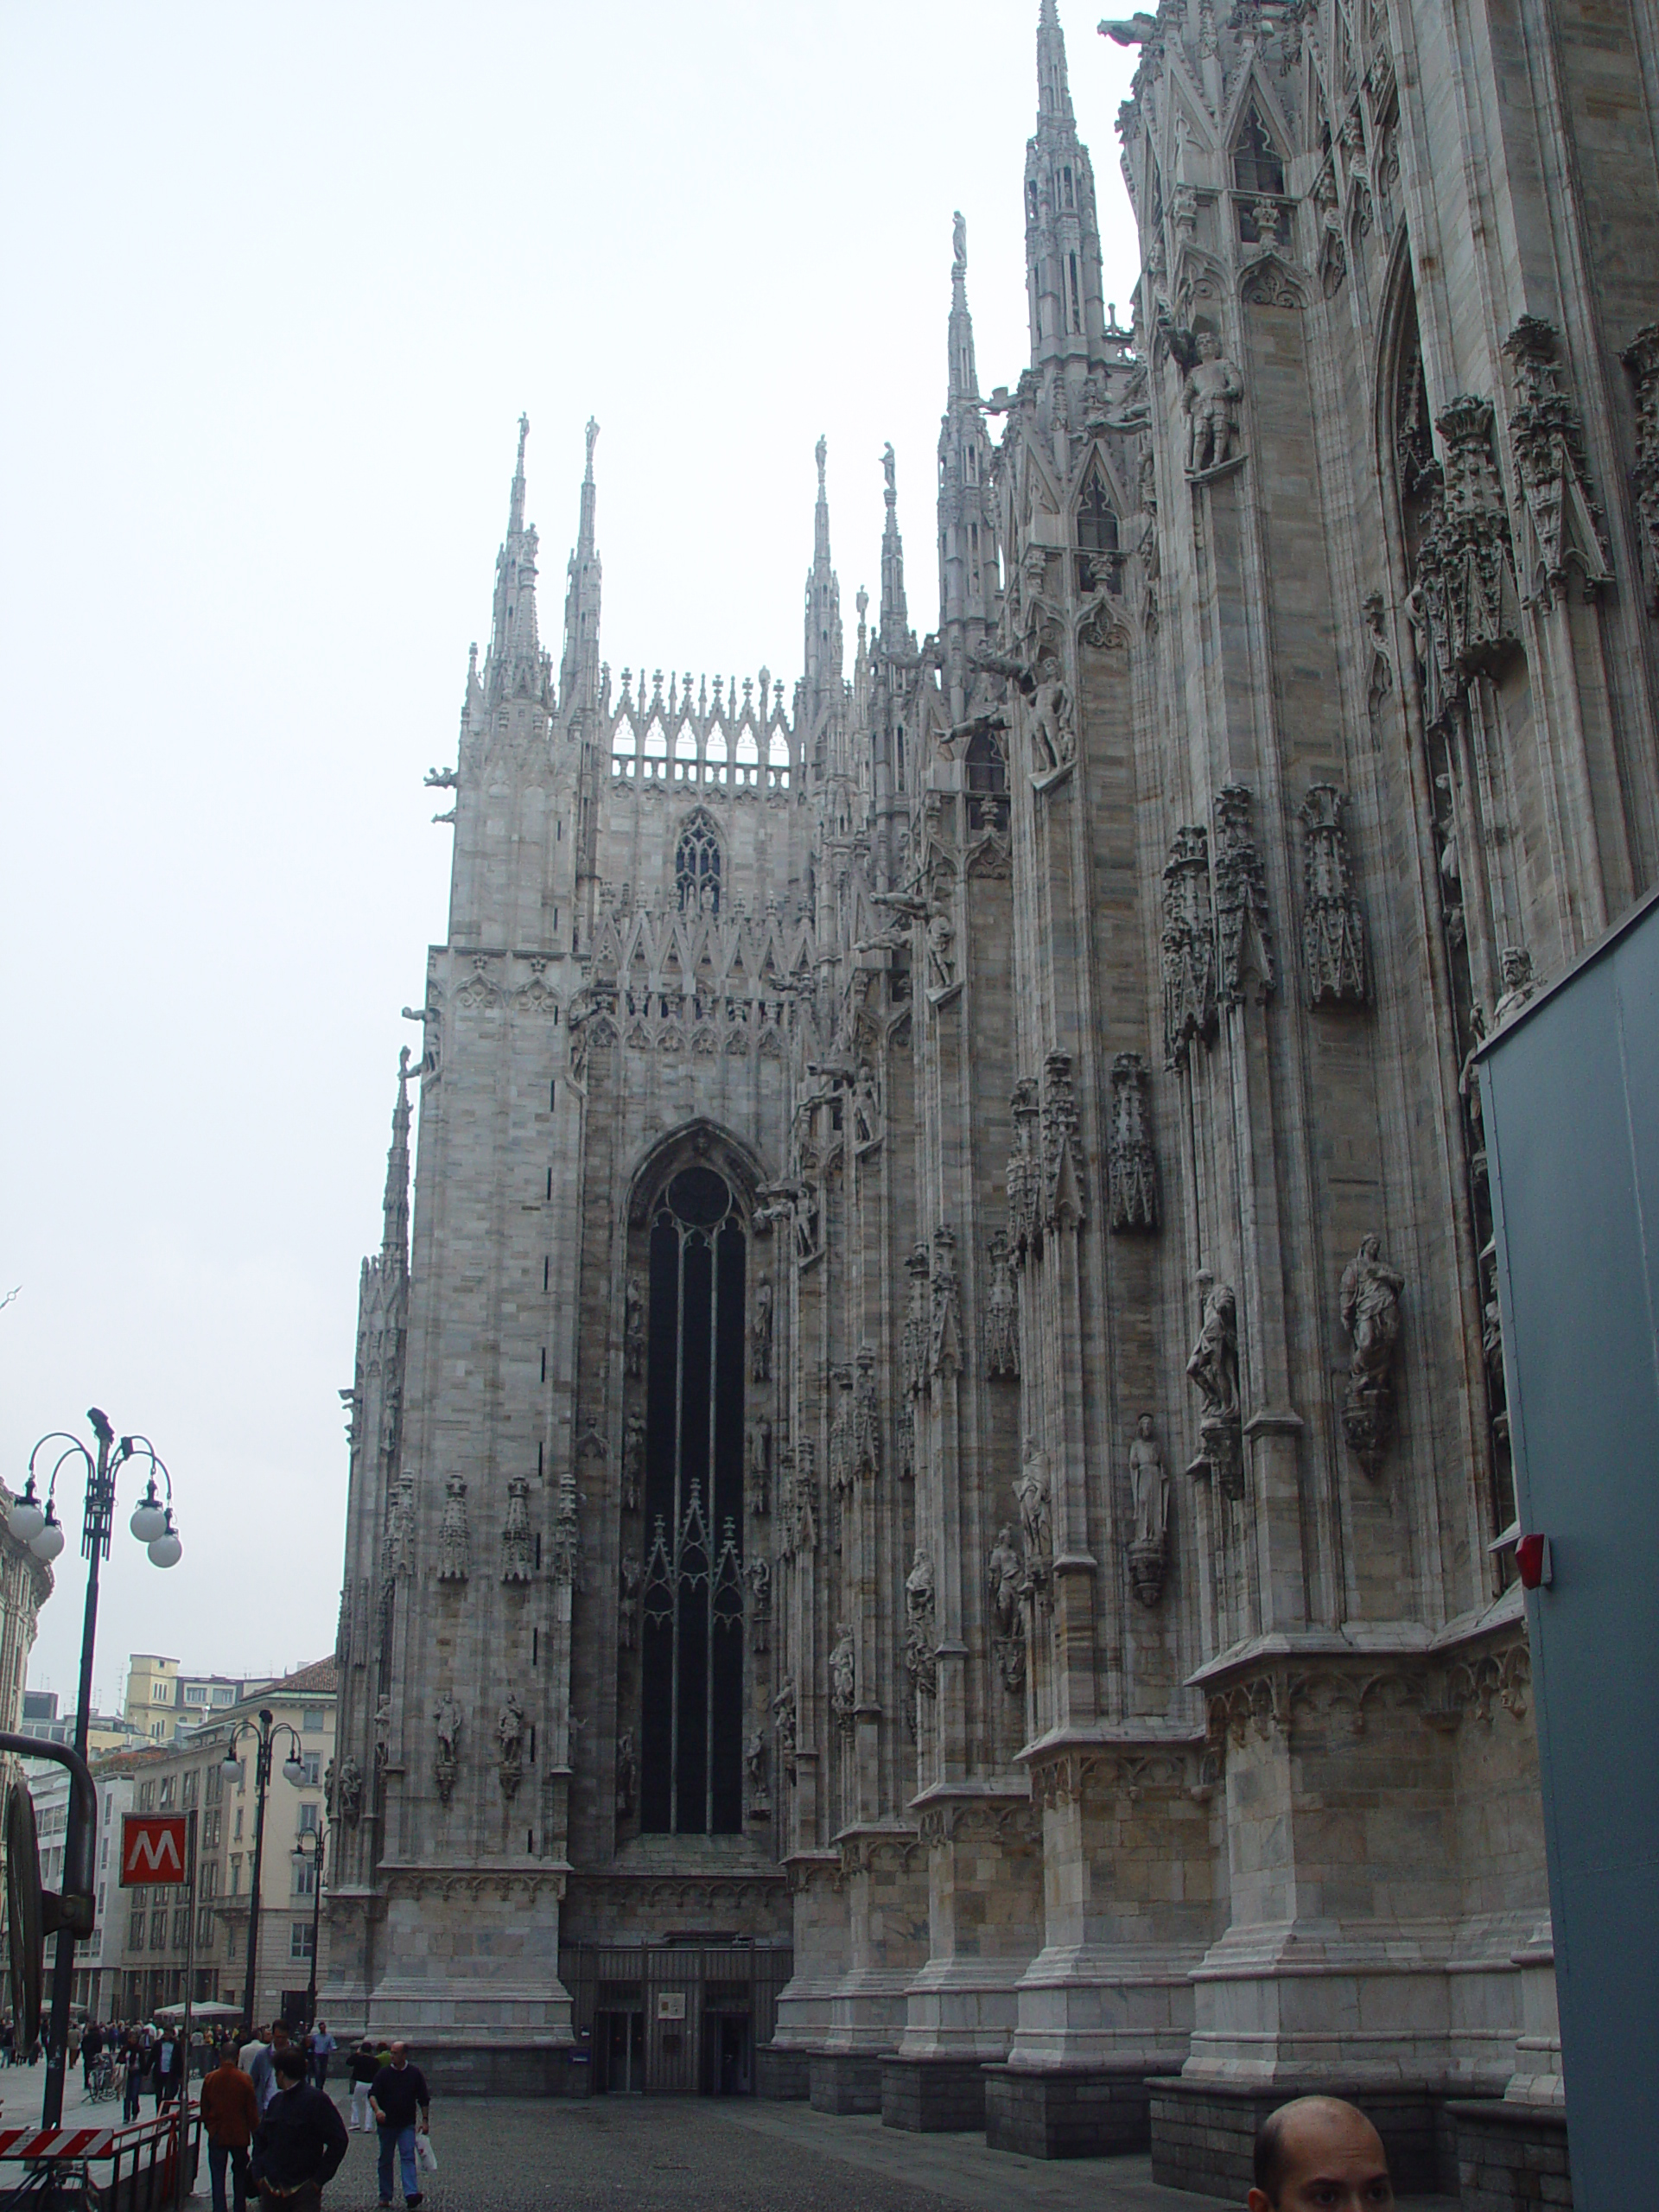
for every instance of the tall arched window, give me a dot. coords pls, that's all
(988, 783)
(1258, 173)
(1099, 568)
(691, 1596)
(696, 865)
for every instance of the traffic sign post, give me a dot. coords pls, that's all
(155, 1850)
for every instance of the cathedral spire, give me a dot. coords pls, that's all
(394, 1239)
(967, 513)
(579, 665)
(516, 666)
(895, 619)
(1063, 272)
(823, 656)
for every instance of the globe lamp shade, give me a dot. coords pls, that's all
(294, 1770)
(165, 1550)
(26, 1520)
(49, 1542)
(148, 1516)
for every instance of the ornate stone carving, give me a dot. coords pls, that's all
(1062, 1183)
(446, 1760)
(1149, 1487)
(944, 1329)
(1333, 922)
(628, 1574)
(1515, 966)
(1560, 523)
(1210, 398)
(921, 1635)
(362, 1623)
(348, 1790)
(566, 1528)
(760, 1332)
(866, 1452)
(844, 1694)
(840, 1439)
(518, 1543)
(510, 1743)
(866, 1109)
(1023, 1177)
(633, 1461)
(343, 1628)
(1370, 1314)
(754, 1766)
(1005, 1582)
(633, 1327)
(1001, 1312)
(1464, 599)
(1213, 1371)
(627, 1773)
(941, 952)
(454, 1550)
(1188, 945)
(1641, 358)
(1132, 1169)
(1244, 940)
(784, 1725)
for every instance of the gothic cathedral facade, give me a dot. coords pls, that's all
(940, 1416)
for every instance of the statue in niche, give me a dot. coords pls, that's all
(348, 1788)
(454, 1547)
(1033, 1492)
(383, 1732)
(1052, 727)
(921, 1637)
(627, 1604)
(510, 1742)
(447, 1718)
(633, 1461)
(758, 1575)
(1003, 1572)
(1370, 1304)
(633, 1327)
(941, 952)
(1514, 963)
(842, 1676)
(1150, 1487)
(1001, 1312)
(866, 1113)
(760, 1332)
(626, 1773)
(760, 1468)
(754, 1766)
(783, 1715)
(1213, 1371)
(1210, 398)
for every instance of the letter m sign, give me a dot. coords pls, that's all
(153, 1848)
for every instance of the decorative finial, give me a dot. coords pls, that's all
(958, 244)
(593, 436)
(523, 432)
(890, 490)
(402, 1068)
(820, 453)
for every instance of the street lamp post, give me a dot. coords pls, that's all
(37, 1525)
(318, 1841)
(265, 1734)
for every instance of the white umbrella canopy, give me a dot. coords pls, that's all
(204, 2008)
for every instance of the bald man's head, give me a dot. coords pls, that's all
(1318, 2154)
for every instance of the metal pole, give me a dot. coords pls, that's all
(63, 1972)
(261, 1777)
(316, 1922)
(182, 2108)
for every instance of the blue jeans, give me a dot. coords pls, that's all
(401, 2139)
(217, 2154)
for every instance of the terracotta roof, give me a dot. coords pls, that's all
(322, 1675)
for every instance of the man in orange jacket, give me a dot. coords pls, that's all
(230, 2113)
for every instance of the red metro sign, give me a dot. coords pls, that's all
(153, 1848)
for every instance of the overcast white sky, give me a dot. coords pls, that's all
(277, 281)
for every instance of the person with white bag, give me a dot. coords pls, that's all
(364, 2065)
(402, 2106)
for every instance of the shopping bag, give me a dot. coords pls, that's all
(425, 2157)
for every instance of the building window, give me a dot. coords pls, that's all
(691, 1600)
(988, 783)
(161, 1693)
(192, 1788)
(313, 1721)
(204, 1930)
(308, 1819)
(237, 1830)
(215, 1785)
(136, 1931)
(210, 1878)
(236, 1873)
(1257, 168)
(312, 1762)
(696, 865)
(147, 1796)
(1099, 564)
(181, 1928)
(305, 1877)
(158, 1931)
(195, 1693)
(299, 1940)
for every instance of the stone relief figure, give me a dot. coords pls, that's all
(633, 1461)
(383, 1732)
(447, 1718)
(1213, 1371)
(866, 1112)
(783, 1718)
(754, 1766)
(453, 1546)
(626, 1773)
(633, 1327)
(1002, 1573)
(758, 1575)
(627, 1604)
(842, 1689)
(348, 1789)
(1053, 727)
(1001, 1312)
(1132, 1169)
(518, 1543)
(941, 952)
(921, 1639)
(1149, 1487)
(1514, 963)
(1370, 1304)
(760, 1468)
(760, 1332)
(1032, 1491)
(1209, 399)
(510, 1742)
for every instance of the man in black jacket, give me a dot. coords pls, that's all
(300, 2141)
(401, 2103)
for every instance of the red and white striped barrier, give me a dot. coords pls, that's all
(57, 2142)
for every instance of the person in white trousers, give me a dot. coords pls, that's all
(365, 2064)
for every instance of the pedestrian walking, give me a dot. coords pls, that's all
(364, 2065)
(91, 2044)
(402, 2106)
(323, 2048)
(263, 2071)
(301, 2138)
(132, 2067)
(230, 2113)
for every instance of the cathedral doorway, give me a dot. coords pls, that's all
(691, 1593)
